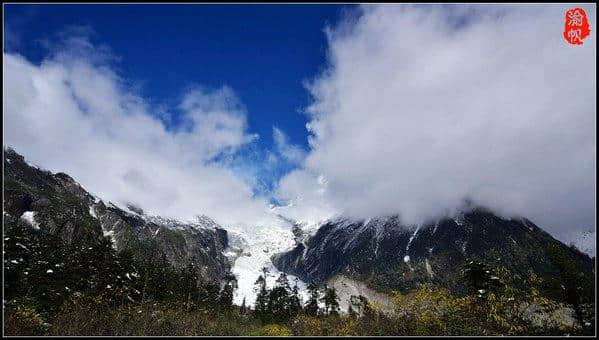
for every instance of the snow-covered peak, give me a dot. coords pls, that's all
(204, 221)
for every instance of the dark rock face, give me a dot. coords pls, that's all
(57, 201)
(389, 256)
(58, 205)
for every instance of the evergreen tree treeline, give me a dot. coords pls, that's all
(42, 271)
(283, 302)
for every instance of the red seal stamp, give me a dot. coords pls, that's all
(576, 26)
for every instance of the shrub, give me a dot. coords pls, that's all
(306, 325)
(23, 321)
(273, 330)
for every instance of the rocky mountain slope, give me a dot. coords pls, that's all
(386, 255)
(58, 205)
(376, 255)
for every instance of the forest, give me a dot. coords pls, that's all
(53, 288)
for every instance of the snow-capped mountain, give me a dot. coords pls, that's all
(57, 204)
(387, 255)
(367, 257)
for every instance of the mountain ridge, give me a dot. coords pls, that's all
(57, 204)
(387, 255)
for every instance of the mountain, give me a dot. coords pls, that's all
(386, 255)
(56, 204)
(371, 256)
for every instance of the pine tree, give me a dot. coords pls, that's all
(295, 303)
(312, 303)
(225, 298)
(243, 309)
(351, 312)
(278, 300)
(481, 279)
(578, 288)
(209, 295)
(364, 306)
(262, 298)
(330, 301)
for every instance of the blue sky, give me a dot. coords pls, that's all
(263, 52)
(412, 108)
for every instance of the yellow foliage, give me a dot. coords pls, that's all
(24, 321)
(348, 327)
(425, 309)
(273, 330)
(306, 325)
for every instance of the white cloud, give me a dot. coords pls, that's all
(290, 152)
(73, 113)
(424, 106)
(219, 121)
(420, 107)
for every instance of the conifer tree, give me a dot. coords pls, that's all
(351, 312)
(262, 298)
(312, 303)
(481, 279)
(577, 288)
(295, 303)
(243, 309)
(330, 301)
(209, 295)
(278, 300)
(226, 294)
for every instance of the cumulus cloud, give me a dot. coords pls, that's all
(74, 113)
(422, 107)
(290, 152)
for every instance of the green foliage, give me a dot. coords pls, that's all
(23, 320)
(54, 287)
(261, 306)
(330, 301)
(48, 277)
(577, 286)
(279, 304)
(311, 307)
(43, 270)
(225, 298)
(481, 279)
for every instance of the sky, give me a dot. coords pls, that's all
(263, 52)
(324, 110)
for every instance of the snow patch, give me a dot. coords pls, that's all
(436, 227)
(110, 233)
(230, 253)
(460, 219)
(92, 212)
(29, 216)
(429, 270)
(19, 245)
(412, 237)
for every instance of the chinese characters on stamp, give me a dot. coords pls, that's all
(576, 26)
